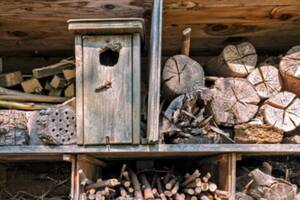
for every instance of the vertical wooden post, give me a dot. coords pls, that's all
(155, 72)
(1, 65)
(79, 89)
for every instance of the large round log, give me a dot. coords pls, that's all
(234, 61)
(181, 74)
(266, 80)
(234, 101)
(282, 111)
(290, 70)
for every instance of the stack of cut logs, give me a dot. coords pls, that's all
(249, 102)
(50, 84)
(152, 184)
(54, 123)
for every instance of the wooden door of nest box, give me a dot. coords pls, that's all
(108, 60)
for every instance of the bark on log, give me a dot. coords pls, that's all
(257, 134)
(57, 125)
(267, 187)
(14, 127)
(136, 185)
(266, 80)
(181, 74)
(234, 101)
(234, 61)
(290, 70)
(282, 111)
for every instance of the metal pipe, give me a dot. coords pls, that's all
(155, 72)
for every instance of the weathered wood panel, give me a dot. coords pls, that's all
(107, 91)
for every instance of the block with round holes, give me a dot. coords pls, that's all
(57, 125)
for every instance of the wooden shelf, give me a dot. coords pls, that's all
(163, 150)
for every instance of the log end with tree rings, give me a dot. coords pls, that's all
(181, 74)
(282, 111)
(234, 101)
(266, 80)
(234, 61)
(57, 125)
(290, 70)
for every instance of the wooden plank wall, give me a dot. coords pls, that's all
(29, 27)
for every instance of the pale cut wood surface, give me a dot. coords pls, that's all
(107, 112)
(266, 80)
(234, 101)
(290, 70)
(181, 74)
(282, 111)
(234, 61)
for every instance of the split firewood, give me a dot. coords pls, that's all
(56, 125)
(58, 81)
(257, 134)
(234, 101)
(289, 69)
(182, 74)
(55, 92)
(11, 79)
(54, 69)
(234, 61)
(69, 74)
(282, 111)
(266, 80)
(32, 86)
(70, 90)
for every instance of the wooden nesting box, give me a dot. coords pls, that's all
(108, 60)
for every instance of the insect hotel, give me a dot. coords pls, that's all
(149, 100)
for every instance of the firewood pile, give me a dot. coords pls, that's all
(152, 183)
(39, 106)
(271, 180)
(35, 181)
(241, 98)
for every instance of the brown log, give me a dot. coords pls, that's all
(266, 80)
(234, 61)
(160, 188)
(105, 183)
(186, 40)
(136, 185)
(181, 74)
(189, 191)
(175, 188)
(258, 134)
(191, 178)
(13, 95)
(171, 183)
(289, 68)
(282, 111)
(234, 101)
(148, 195)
